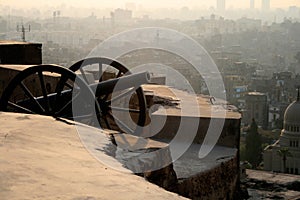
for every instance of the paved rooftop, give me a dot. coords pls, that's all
(42, 158)
(203, 108)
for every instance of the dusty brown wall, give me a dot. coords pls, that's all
(220, 182)
(25, 54)
(5, 77)
(229, 136)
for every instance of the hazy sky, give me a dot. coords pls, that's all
(145, 3)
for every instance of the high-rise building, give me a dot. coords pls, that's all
(265, 5)
(252, 4)
(221, 5)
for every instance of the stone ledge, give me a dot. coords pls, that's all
(42, 158)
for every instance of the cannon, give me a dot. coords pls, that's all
(96, 86)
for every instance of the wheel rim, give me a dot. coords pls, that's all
(40, 90)
(108, 120)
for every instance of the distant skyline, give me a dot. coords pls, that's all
(147, 4)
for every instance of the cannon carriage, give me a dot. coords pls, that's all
(97, 91)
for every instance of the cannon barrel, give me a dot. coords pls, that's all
(121, 83)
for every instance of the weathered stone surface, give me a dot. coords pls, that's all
(295, 185)
(217, 183)
(180, 106)
(268, 185)
(216, 176)
(145, 157)
(42, 158)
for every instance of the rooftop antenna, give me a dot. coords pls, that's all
(23, 30)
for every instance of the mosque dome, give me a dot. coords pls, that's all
(291, 121)
(292, 113)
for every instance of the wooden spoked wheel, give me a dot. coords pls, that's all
(98, 69)
(49, 90)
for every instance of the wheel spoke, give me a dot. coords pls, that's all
(125, 109)
(63, 82)
(66, 105)
(100, 72)
(30, 95)
(69, 86)
(20, 108)
(129, 92)
(119, 74)
(44, 91)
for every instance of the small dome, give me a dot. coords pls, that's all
(292, 113)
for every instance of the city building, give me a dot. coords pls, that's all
(236, 88)
(121, 16)
(256, 107)
(284, 154)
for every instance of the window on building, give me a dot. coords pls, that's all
(292, 170)
(296, 171)
(294, 144)
(297, 143)
(291, 143)
(297, 128)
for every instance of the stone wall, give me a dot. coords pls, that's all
(220, 182)
(229, 136)
(20, 53)
(5, 77)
